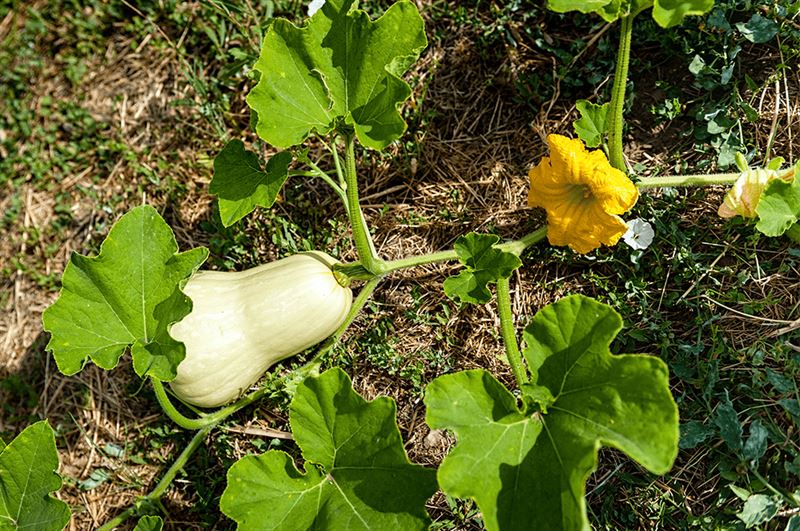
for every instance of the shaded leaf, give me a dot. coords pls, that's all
(730, 429)
(340, 67)
(241, 184)
(758, 509)
(694, 433)
(357, 474)
(758, 29)
(593, 123)
(483, 265)
(756, 445)
(526, 469)
(27, 477)
(127, 296)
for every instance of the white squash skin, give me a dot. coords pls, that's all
(241, 323)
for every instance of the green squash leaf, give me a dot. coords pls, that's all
(667, 13)
(340, 67)
(484, 264)
(126, 296)
(27, 477)
(779, 206)
(593, 123)
(527, 469)
(610, 10)
(149, 523)
(357, 474)
(241, 184)
(2, 444)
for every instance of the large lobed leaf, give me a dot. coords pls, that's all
(357, 474)
(526, 467)
(667, 13)
(27, 477)
(241, 184)
(127, 296)
(341, 66)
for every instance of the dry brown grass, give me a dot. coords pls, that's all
(472, 160)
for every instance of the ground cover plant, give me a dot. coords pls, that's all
(546, 388)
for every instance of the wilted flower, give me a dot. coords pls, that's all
(582, 194)
(640, 234)
(742, 199)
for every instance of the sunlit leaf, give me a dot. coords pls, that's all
(241, 183)
(27, 477)
(149, 523)
(593, 123)
(666, 13)
(340, 67)
(527, 469)
(356, 473)
(127, 296)
(779, 206)
(483, 265)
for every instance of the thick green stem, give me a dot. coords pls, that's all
(361, 236)
(618, 95)
(154, 496)
(509, 333)
(516, 247)
(688, 180)
(206, 420)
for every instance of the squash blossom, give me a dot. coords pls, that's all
(743, 197)
(582, 194)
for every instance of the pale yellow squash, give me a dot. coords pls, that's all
(242, 323)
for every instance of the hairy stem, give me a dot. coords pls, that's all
(361, 236)
(688, 180)
(509, 333)
(618, 95)
(153, 498)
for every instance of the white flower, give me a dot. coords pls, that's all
(640, 234)
(315, 6)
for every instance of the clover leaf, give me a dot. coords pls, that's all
(126, 297)
(27, 477)
(357, 474)
(484, 264)
(340, 68)
(241, 184)
(527, 469)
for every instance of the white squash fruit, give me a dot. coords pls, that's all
(242, 323)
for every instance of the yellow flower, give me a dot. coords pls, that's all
(582, 194)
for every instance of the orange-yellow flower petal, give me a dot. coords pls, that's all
(582, 194)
